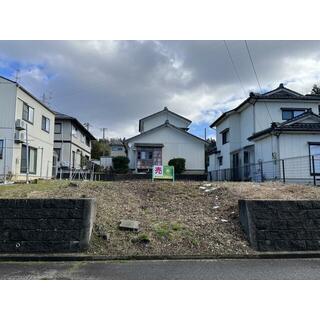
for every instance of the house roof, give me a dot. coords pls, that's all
(280, 93)
(28, 92)
(165, 109)
(157, 145)
(62, 116)
(292, 125)
(116, 142)
(169, 125)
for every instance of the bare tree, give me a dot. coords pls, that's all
(125, 145)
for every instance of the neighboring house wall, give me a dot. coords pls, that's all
(12, 99)
(71, 143)
(117, 151)
(158, 119)
(267, 112)
(223, 148)
(8, 93)
(176, 145)
(251, 119)
(40, 140)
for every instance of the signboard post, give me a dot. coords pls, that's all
(163, 173)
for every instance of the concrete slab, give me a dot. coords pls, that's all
(131, 225)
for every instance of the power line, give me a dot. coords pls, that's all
(256, 75)
(234, 67)
(237, 73)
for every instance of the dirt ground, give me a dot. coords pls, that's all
(175, 218)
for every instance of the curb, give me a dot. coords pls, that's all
(61, 257)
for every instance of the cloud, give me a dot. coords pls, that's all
(114, 83)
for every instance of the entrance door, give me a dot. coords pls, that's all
(315, 152)
(246, 162)
(235, 167)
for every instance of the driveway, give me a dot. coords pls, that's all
(169, 269)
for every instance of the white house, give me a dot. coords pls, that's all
(163, 136)
(265, 128)
(26, 123)
(117, 148)
(72, 143)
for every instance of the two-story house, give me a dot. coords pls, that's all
(163, 136)
(72, 143)
(26, 134)
(279, 124)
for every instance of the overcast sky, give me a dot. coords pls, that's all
(113, 84)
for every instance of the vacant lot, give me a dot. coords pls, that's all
(175, 218)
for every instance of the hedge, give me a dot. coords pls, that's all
(179, 165)
(120, 164)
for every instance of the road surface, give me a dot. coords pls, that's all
(169, 269)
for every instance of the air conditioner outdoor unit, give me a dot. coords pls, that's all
(20, 124)
(19, 137)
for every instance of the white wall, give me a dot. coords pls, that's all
(160, 119)
(246, 125)
(65, 140)
(7, 122)
(117, 153)
(296, 146)
(176, 145)
(38, 138)
(224, 148)
(263, 119)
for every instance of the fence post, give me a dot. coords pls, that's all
(313, 171)
(261, 170)
(283, 172)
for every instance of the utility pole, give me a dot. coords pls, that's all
(4, 161)
(27, 157)
(104, 133)
(205, 133)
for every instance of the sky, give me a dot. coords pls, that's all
(112, 84)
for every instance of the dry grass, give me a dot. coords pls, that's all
(175, 218)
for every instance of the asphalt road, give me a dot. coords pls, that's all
(170, 269)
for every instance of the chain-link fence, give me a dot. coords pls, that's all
(291, 170)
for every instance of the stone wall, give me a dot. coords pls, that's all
(280, 225)
(46, 225)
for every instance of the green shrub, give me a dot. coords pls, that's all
(179, 165)
(120, 164)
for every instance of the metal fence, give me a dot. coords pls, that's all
(304, 170)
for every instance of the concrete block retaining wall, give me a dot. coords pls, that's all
(280, 225)
(46, 225)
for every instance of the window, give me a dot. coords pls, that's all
(87, 141)
(1, 149)
(32, 157)
(145, 155)
(288, 114)
(57, 128)
(27, 113)
(225, 136)
(319, 109)
(45, 126)
(58, 153)
(220, 161)
(116, 148)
